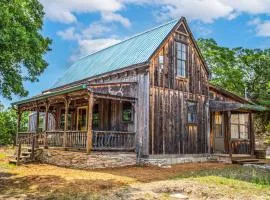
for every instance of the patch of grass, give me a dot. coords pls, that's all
(248, 174)
(2, 156)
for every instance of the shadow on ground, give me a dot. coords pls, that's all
(53, 187)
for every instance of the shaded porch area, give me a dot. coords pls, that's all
(85, 118)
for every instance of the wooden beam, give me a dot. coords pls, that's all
(89, 142)
(229, 133)
(47, 107)
(34, 140)
(67, 102)
(19, 113)
(251, 134)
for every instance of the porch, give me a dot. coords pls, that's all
(231, 130)
(96, 118)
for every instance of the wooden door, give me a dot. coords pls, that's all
(218, 131)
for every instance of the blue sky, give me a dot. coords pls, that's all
(80, 27)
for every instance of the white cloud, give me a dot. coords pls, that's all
(68, 34)
(263, 29)
(111, 17)
(64, 10)
(87, 47)
(95, 30)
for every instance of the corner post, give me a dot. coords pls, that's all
(47, 107)
(251, 134)
(229, 134)
(67, 102)
(19, 114)
(34, 140)
(89, 142)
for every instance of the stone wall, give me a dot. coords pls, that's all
(167, 160)
(81, 160)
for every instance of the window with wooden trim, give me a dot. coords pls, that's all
(219, 125)
(181, 62)
(239, 126)
(127, 112)
(192, 111)
(82, 118)
(95, 123)
(161, 62)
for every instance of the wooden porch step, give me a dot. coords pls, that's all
(246, 161)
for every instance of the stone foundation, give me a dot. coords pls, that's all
(81, 160)
(168, 160)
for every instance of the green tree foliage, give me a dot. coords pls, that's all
(8, 125)
(239, 69)
(21, 45)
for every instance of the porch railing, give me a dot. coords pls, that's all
(240, 146)
(102, 140)
(114, 140)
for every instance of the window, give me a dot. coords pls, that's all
(192, 112)
(181, 59)
(218, 125)
(239, 126)
(211, 95)
(161, 62)
(82, 119)
(95, 116)
(62, 120)
(127, 112)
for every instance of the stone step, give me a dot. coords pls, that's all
(12, 161)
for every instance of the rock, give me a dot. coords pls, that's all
(178, 196)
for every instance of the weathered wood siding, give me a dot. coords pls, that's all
(170, 132)
(141, 114)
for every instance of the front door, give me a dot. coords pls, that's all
(82, 118)
(218, 132)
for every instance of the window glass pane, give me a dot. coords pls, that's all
(183, 55)
(179, 55)
(192, 112)
(183, 47)
(127, 112)
(234, 131)
(243, 118)
(161, 59)
(218, 130)
(179, 45)
(234, 119)
(82, 119)
(243, 132)
(183, 68)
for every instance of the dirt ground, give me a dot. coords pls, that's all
(41, 181)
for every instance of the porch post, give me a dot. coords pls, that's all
(19, 113)
(89, 142)
(229, 134)
(47, 106)
(251, 134)
(67, 102)
(34, 140)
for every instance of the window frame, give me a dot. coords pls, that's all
(195, 119)
(86, 119)
(221, 124)
(246, 125)
(181, 60)
(131, 113)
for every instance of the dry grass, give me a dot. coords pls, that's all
(41, 181)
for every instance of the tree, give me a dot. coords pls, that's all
(21, 45)
(8, 125)
(239, 70)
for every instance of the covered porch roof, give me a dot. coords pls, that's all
(215, 105)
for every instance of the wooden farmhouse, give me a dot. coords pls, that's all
(149, 94)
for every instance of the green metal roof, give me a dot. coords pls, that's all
(135, 50)
(49, 94)
(253, 107)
